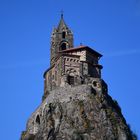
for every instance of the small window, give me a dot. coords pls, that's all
(71, 80)
(63, 34)
(95, 84)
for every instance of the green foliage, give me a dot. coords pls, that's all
(23, 135)
(81, 103)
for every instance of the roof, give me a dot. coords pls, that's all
(82, 48)
(62, 24)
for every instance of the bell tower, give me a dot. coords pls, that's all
(61, 39)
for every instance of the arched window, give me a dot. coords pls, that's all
(38, 119)
(63, 46)
(63, 34)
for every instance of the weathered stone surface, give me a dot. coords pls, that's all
(78, 113)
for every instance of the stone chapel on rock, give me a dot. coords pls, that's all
(69, 65)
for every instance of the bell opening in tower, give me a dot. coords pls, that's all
(63, 46)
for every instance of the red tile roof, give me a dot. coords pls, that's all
(82, 48)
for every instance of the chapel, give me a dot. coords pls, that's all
(69, 65)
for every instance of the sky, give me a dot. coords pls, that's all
(111, 27)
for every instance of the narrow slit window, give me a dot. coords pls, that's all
(63, 34)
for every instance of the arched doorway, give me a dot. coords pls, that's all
(71, 80)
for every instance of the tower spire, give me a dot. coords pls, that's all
(62, 39)
(62, 23)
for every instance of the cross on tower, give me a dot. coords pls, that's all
(62, 12)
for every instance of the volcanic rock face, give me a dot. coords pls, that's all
(77, 113)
